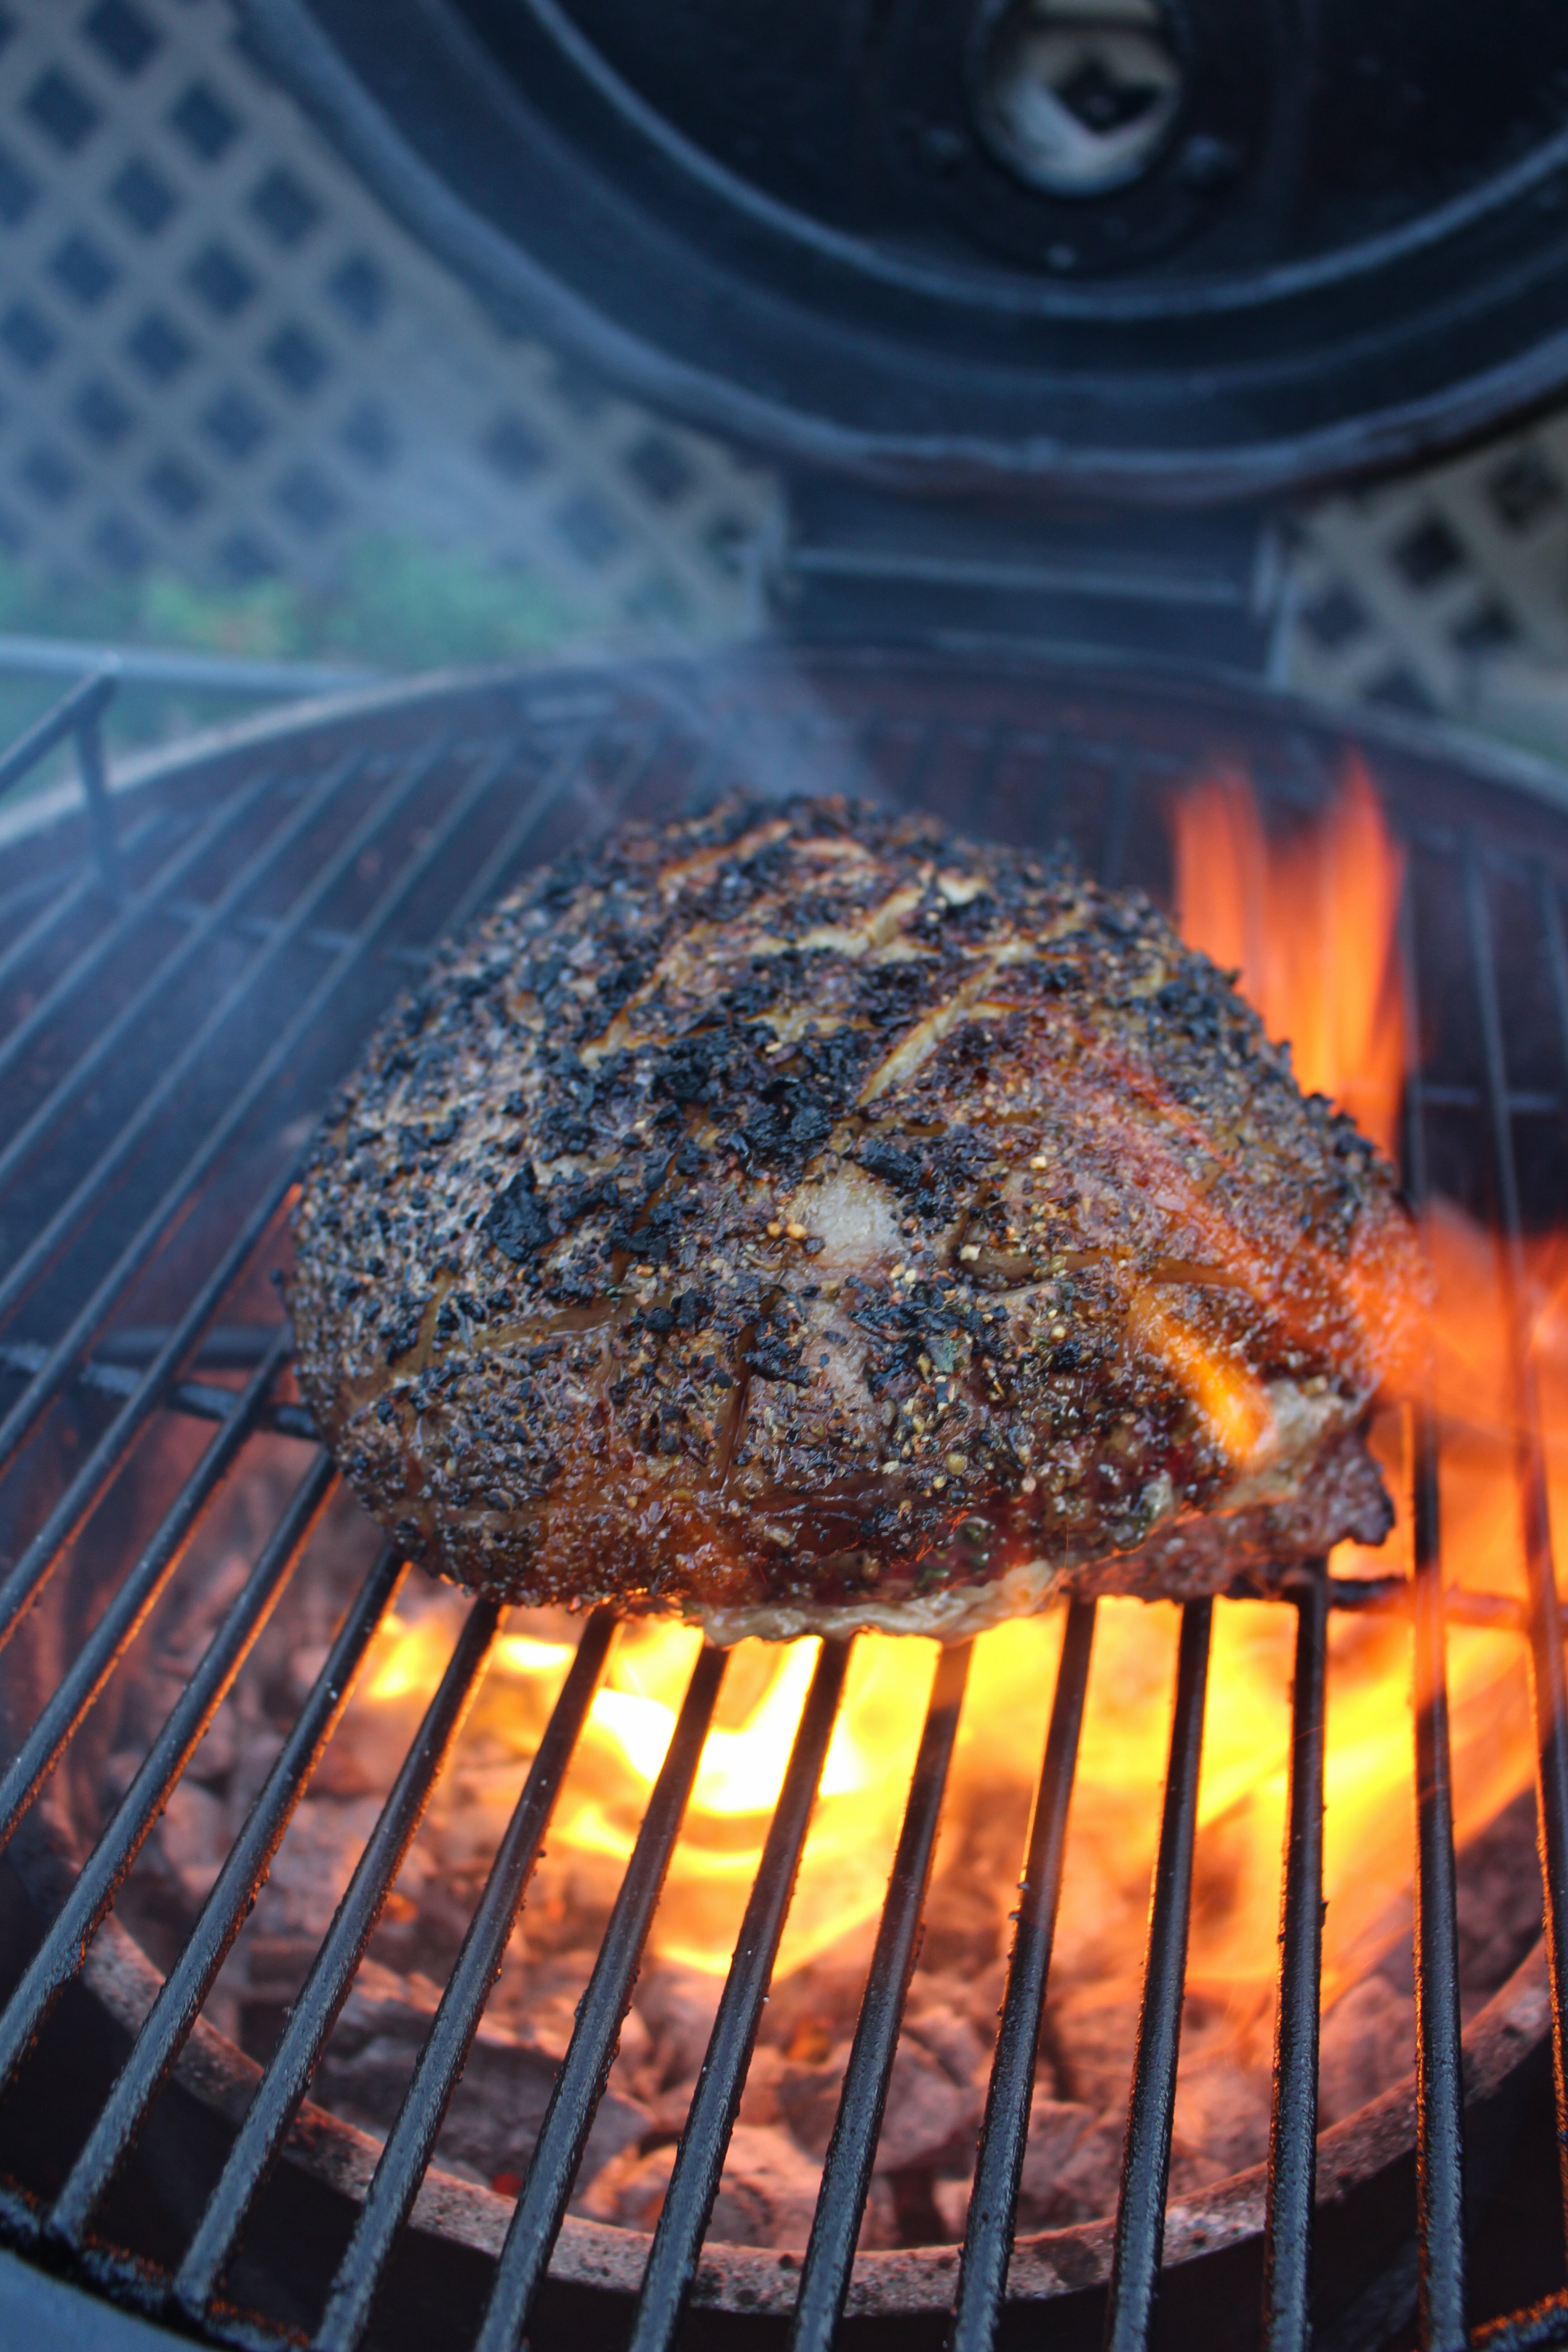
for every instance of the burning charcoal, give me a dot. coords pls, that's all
(677, 2004)
(497, 2107)
(1499, 1901)
(313, 1865)
(766, 2195)
(120, 1769)
(935, 2093)
(1072, 2166)
(272, 1968)
(629, 2189)
(1221, 2119)
(215, 1758)
(1369, 2042)
(927, 2111)
(670, 2108)
(207, 1598)
(880, 2223)
(193, 1838)
(950, 2037)
(968, 1913)
(950, 2198)
(426, 1917)
(536, 1997)
(760, 2099)
(1092, 2032)
(305, 1663)
(259, 1748)
(966, 1930)
(768, 2192)
(381, 2004)
(814, 2008)
(1222, 2094)
(808, 2099)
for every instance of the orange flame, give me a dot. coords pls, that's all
(1310, 922)
(1311, 925)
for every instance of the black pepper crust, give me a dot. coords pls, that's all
(801, 1215)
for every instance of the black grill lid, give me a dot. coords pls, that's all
(1157, 249)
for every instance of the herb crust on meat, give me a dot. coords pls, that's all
(803, 1219)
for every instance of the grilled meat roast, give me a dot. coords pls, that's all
(803, 1219)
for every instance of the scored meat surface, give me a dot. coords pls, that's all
(803, 1219)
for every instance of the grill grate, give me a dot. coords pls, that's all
(188, 999)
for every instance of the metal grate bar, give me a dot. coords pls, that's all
(63, 1950)
(127, 1612)
(88, 1486)
(1548, 1682)
(1005, 2131)
(48, 1383)
(77, 710)
(154, 900)
(846, 2168)
(95, 1180)
(1293, 2125)
(1382, 1595)
(226, 1347)
(700, 2159)
(134, 1013)
(1439, 2056)
(404, 2160)
(564, 769)
(282, 2087)
(568, 2119)
(168, 2023)
(1439, 2077)
(488, 878)
(1146, 2163)
(1527, 1102)
(100, 825)
(200, 1399)
(61, 906)
(320, 937)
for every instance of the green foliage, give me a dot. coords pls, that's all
(401, 607)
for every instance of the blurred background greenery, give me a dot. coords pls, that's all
(399, 607)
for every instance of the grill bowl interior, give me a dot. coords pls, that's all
(403, 811)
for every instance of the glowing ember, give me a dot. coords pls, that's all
(1310, 923)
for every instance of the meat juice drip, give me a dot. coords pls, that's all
(1311, 921)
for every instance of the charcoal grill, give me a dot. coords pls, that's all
(1337, 240)
(181, 990)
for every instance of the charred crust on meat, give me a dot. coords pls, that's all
(800, 1215)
